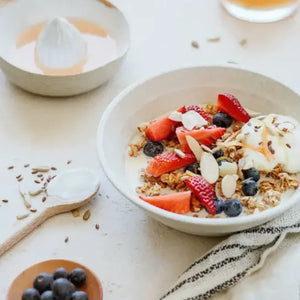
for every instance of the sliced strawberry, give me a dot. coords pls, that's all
(200, 111)
(231, 105)
(161, 129)
(167, 162)
(203, 191)
(178, 203)
(206, 136)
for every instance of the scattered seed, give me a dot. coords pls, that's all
(179, 153)
(39, 175)
(75, 212)
(41, 169)
(44, 199)
(53, 169)
(19, 176)
(289, 146)
(36, 181)
(33, 210)
(26, 166)
(10, 168)
(26, 199)
(5, 201)
(232, 62)
(243, 42)
(20, 179)
(213, 40)
(86, 215)
(270, 147)
(97, 226)
(68, 162)
(195, 44)
(23, 216)
(66, 239)
(35, 193)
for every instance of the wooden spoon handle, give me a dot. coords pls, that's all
(22, 228)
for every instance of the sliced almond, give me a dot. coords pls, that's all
(192, 119)
(209, 167)
(26, 199)
(175, 116)
(245, 163)
(23, 216)
(179, 153)
(228, 168)
(205, 148)
(228, 185)
(194, 146)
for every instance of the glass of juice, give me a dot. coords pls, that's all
(262, 11)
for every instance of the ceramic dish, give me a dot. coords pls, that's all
(24, 281)
(155, 97)
(17, 16)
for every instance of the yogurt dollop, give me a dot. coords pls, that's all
(271, 140)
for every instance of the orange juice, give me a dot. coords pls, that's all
(262, 4)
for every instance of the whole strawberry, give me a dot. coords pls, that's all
(203, 191)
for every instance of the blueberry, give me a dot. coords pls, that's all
(250, 187)
(77, 277)
(43, 282)
(48, 295)
(219, 206)
(60, 273)
(153, 148)
(251, 174)
(79, 295)
(194, 168)
(63, 289)
(233, 207)
(222, 120)
(31, 294)
(218, 153)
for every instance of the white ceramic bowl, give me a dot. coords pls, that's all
(145, 101)
(19, 15)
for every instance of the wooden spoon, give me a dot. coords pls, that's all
(24, 281)
(69, 190)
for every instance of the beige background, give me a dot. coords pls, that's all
(135, 257)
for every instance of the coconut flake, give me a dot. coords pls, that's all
(192, 119)
(209, 167)
(194, 146)
(175, 116)
(179, 153)
(228, 185)
(228, 168)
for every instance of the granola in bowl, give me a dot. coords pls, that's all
(217, 160)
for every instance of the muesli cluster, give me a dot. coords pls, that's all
(218, 160)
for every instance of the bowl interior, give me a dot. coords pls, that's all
(17, 16)
(169, 91)
(25, 280)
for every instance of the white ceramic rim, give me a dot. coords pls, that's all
(120, 56)
(255, 218)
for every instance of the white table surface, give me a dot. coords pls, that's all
(135, 257)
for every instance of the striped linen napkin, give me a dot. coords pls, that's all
(233, 259)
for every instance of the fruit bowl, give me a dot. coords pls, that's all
(20, 15)
(197, 85)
